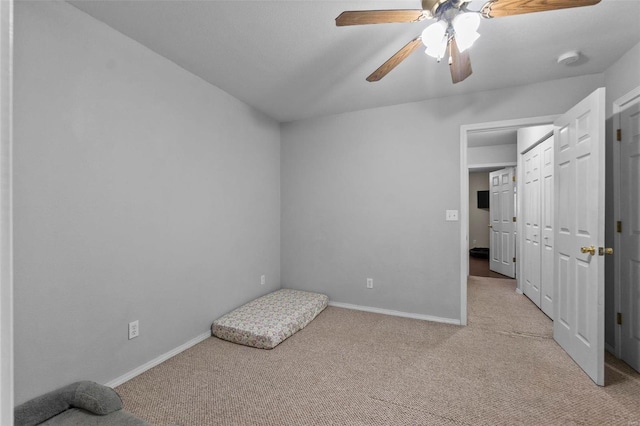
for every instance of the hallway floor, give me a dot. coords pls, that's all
(479, 267)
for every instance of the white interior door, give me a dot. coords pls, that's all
(630, 236)
(578, 324)
(501, 210)
(546, 227)
(531, 218)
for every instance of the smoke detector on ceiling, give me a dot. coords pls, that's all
(569, 58)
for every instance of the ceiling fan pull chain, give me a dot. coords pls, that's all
(450, 56)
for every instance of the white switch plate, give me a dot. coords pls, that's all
(263, 280)
(369, 282)
(452, 216)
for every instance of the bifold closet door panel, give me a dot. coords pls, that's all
(531, 219)
(546, 243)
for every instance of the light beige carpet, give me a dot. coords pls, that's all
(356, 368)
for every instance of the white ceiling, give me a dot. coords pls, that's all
(289, 60)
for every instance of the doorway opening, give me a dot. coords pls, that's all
(578, 222)
(484, 154)
(482, 249)
(626, 241)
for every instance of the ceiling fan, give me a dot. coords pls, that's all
(455, 28)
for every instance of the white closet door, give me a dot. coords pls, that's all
(546, 227)
(531, 219)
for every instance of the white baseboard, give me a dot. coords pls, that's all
(162, 358)
(395, 313)
(610, 349)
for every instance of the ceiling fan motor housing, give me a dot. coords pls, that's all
(431, 6)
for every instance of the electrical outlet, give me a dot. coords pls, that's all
(263, 279)
(134, 329)
(369, 282)
(451, 216)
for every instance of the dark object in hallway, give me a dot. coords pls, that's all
(480, 252)
(483, 199)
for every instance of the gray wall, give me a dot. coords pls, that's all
(620, 78)
(478, 218)
(141, 192)
(492, 155)
(364, 194)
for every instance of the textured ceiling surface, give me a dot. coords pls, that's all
(289, 60)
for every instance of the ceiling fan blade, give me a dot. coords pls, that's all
(362, 17)
(460, 63)
(393, 61)
(499, 8)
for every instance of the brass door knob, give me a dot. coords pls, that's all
(591, 250)
(490, 226)
(605, 250)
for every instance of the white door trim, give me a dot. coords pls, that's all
(6, 240)
(619, 105)
(465, 130)
(496, 166)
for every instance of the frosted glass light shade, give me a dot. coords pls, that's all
(465, 26)
(433, 37)
(466, 22)
(465, 40)
(437, 51)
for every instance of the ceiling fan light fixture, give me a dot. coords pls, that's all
(455, 29)
(437, 51)
(466, 40)
(434, 38)
(466, 22)
(465, 26)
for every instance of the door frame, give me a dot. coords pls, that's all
(619, 105)
(6, 239)
(465, 131)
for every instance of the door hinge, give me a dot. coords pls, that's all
(514, 218)
(619, 318)
(619, 135)
(514, 260)
(619, 226)
(513, 178)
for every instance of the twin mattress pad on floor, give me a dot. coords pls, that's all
(268, 320)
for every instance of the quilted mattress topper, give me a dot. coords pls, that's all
(268, 320)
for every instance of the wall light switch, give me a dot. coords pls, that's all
(452, 216)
